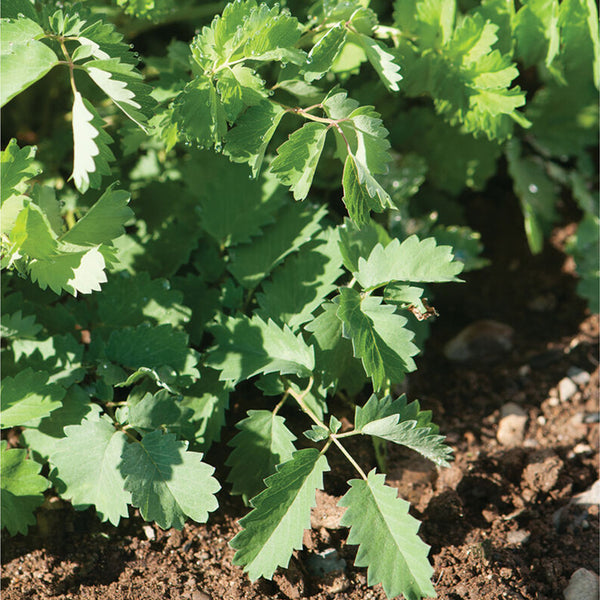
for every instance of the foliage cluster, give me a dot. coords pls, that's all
(268, 203)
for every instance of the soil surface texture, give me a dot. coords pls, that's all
(512, 518)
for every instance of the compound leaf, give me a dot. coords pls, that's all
(378, 336)
(87, 461)
(274, 529)
(387, 538)
(167, 482)
(402, 423)
(28, 396)
(249, 346)
(412, 260)
(262, 443)
(21, 488)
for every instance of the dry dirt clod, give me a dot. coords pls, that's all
(511, 428)
(583, 585)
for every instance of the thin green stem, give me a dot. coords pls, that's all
(349, 457)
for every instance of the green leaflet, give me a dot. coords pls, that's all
(356, 242)
(274, 528)
(167, 482)
(79, 270)
(17, 326)
(301, 283)
(334, 358)
(249, 346)
(402, 423)
(21, 489)
(262, 443)
(103, 222)
(130, 300)
(248, 140)
(234, 208)
(32, 233)
(18, 168)
(91, 153)
(153, 347)
(378, 336)
(28, 396)
(536, 192)
(381, 60)
(294, 226)
(239, 87)
(297, 158)
(87, 461)
(536, 32)
(23, 59)
(412, 260)
(324, 53)
(387, 537)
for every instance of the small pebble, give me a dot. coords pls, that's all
(583, 585)
(582, 449)
(578, 376)
(590, 496)
(520, 536)
(481, 341)
(149, 532)
(566, 389)
(511, 428)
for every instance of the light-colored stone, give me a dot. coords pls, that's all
(511, 428)
(520, 536)
(149, 532)
(589, 497)
(566, 389)
(579, 376)
(583, 585)
(481, 341)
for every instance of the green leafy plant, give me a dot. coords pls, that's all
(247, 209)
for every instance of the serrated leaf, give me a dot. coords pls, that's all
(249, 346)
(334, 358)
(45, 197)
(74, 272)
(239, 87)
(430, 22)
(146, 346)
(299, 286)
(262, 443)
(103, 222)
(298, 157)
(21, 489)
(248, 140)
(15, 325)
(167, 482)
(295, 225)
(199, 113)
(357, 198)
(91, 153)
(387, 537)
(324, 53)
(87, 460)
(234, 208)
(42, 435)
(316, 433)
(129, 300)
(382, 61)
(274, 529)
(28, 396)
(18, 167)
(32, 233)
(356, 242)
(23, 58)
(378, 336)
(412, 260)
(156, 411)
(402, 423)
(208, 401)
(122, 83)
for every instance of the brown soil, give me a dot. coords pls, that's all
(491, 519)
